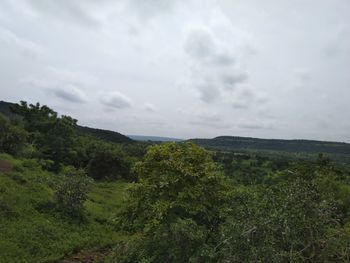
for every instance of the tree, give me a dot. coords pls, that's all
(12, 137)
(53, 136)
(177, 205)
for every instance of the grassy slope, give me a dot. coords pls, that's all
(31, 234)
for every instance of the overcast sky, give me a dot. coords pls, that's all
(183, 68)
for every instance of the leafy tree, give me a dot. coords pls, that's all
(12, 137)
(177, 206)
(54, 136)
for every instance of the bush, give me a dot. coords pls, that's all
(71, 193)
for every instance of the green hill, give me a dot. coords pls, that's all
(106, 135)
(154, 138)
(233, 143)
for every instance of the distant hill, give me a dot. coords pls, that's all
(232, 143)
(5, 108)
(105, 135)
(154, 138)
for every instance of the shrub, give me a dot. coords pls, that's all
(71, 193)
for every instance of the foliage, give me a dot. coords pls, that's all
(108, 162)
(12, 137)
(105, 135)
(71, 193)
(177, 205)
(296, 219)
(32, 234)
(54, 136)
(184, 205)
(230, 143)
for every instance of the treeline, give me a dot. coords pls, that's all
(231, 143)
(106, 135)
(36, 131)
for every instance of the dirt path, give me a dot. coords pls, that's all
(86, 257)
(5, 166)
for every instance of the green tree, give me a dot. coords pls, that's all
(12, 137)
(177, 205)
(53, 136)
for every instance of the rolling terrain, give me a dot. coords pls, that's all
(233, 143)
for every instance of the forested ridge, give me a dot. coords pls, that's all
(111, 136)
(71, 194)
(246, 143)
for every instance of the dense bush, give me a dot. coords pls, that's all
(71, 193)
(299, 217)
(177, 206)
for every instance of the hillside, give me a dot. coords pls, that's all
(154, 138)
(106, 135)
(32, 231)
(229, 143)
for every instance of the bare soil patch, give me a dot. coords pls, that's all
(85, 257)
(5, 166)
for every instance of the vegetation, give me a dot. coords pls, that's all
(12, 136)
(63, 191)
(105, 135)
(33, 230)
(71, 193)
(177, 206)
(296, 148)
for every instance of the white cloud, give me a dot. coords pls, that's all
(25, 47)
(116, 100)
(65, 10)
(338, 42)
(216, 55)
(302, 74)
(246, 61)
(70, 93)
(150, 107)
(246, 97)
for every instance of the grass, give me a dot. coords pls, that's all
(31, 233)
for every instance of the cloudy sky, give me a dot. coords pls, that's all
(183, 68)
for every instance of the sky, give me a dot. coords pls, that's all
(183, 68)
